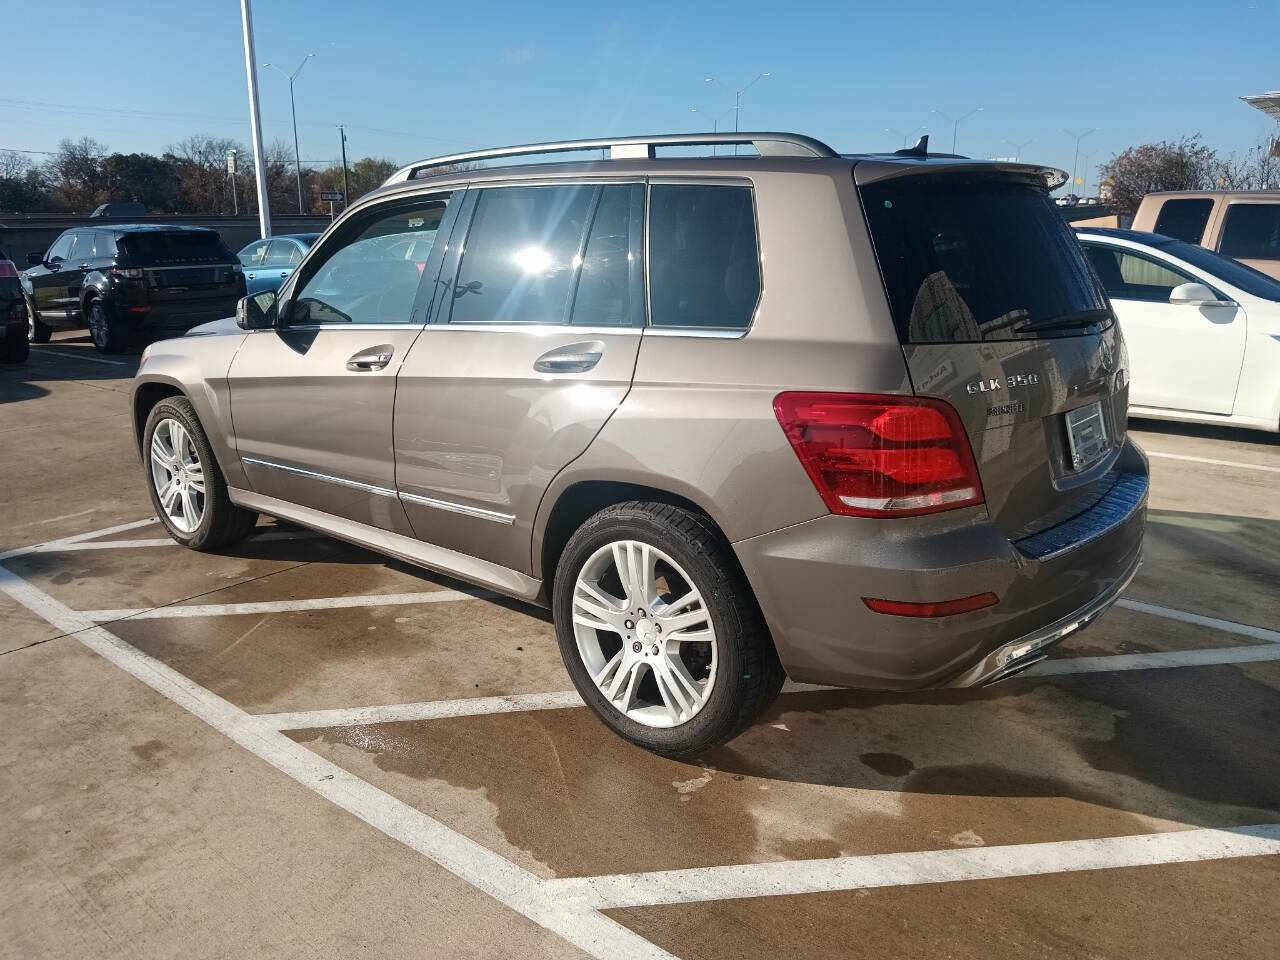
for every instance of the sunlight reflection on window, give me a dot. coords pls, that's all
(532, 259)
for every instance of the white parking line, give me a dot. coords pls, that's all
(67, 542)
(283, 606)
(791, 877)
(566, 699)
(42, 352)
(591, 931)
(1220, 463)
(1226, 626)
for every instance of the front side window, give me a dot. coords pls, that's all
(1252, 231)
(1184, 219)
(1127, 276)
(61, 247)
(704, 261)
(370, 271)
(81, 247)
(253, 255)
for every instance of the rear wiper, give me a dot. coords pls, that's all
(1066, 321)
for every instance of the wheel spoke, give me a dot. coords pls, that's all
(671, 698)
(603, 676)
(188, 507)
(682, 680)
(692, 636)
(169, 497)
(605, 614)
(159, 454)
(682, 621)
(671, 609)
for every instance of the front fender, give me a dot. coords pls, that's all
(197, 368)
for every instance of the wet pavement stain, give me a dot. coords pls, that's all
(148, 750)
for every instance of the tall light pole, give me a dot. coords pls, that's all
(346, 187)
(715, 122)
(1084, 171)
(737, 97)
(955, 123)
(906, 137)
(1076, 159)
(1019, 147)
(297, 157)
(255, 121)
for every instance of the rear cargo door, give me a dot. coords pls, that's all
(1000, 315)
(191, 275)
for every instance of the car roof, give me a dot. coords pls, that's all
(1133, 236)
(147, 228)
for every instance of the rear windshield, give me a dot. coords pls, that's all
(972, 259)
(176, 248)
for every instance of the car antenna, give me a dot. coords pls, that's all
(921, 149)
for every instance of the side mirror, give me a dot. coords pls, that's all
(257, 312)
(1193, 294)
(35, 259)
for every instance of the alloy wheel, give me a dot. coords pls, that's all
(178, 475)
(644, 633)
(98, 326)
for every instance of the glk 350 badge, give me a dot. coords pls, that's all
(998, 383)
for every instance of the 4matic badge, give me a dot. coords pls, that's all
(1011, 381)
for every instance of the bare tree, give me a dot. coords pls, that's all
(75, 176)
(1186, 164)
(1254, 169)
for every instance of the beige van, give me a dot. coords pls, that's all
(1244, 224)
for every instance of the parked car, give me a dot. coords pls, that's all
(119, 208)
(1203, 330)
(858, 419)
(1244, 224)
(127, 281)
(14, 343)
(268, 263)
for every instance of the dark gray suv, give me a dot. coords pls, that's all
(858, 420)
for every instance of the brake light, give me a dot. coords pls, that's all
(7, 269)
(881, 456)
(129, 273)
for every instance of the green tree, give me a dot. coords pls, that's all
(74, 175)
(148, 179)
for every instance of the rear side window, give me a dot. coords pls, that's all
(170, 248)
(252, 256)
(552, 255)
(1252, 231)
(1184, 219)
(704, 258)
(966, 260)
(278, 254)
(105, 246)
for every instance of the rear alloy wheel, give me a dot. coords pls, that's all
(186, 486)
(104, 329)
(660, 631)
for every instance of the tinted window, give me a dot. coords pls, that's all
(1252, 231)
(1128, 276)
(295, 255)
(61, 247)
(704, 262)
(370, 271)
(521, 255)
(171, 248)
(81, 247)
(1184, 219)
(965, 260)
(105, 244)
(610, 288)
(1231, 271)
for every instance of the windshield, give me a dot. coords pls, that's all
(972, 259)
(1251, 281)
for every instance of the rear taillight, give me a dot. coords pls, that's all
(129, 273)
(881, 456)
(7, 269)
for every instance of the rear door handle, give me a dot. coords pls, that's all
(284, 273)
(375, 358)
(571, 357)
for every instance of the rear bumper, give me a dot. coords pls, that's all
(810, 580)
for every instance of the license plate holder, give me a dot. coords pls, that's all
(1087, 438)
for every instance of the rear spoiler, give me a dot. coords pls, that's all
(889, 168)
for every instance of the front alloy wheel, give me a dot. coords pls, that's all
(178, 475)
(644, 633)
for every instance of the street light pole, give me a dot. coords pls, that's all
(297, 156)
(1019, 147)
(1084, 171)
(346, 187)
(715, 122)
(255, 121)
(1076, 159)
(955, 123)
(737, 98)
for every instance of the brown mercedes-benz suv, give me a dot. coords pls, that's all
(858, 420)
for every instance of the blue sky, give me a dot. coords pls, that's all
(414, 79)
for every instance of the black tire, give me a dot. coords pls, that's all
(748, 675)
(37, 330)
(223, 523)
(104, 327)
(14, 348)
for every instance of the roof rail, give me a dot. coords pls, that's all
(631, 148)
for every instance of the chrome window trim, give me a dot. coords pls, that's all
(496, 516)
(341, 481)
(309, 327)
(536, 328)
(711, 333)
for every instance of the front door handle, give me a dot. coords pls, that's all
(571, 358)
(375, 358)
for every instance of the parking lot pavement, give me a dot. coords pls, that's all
(300, 748)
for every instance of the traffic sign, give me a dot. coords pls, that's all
(331, 196)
